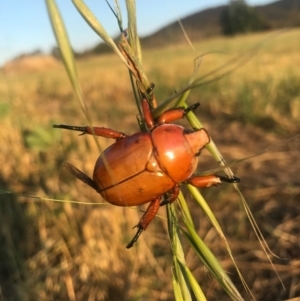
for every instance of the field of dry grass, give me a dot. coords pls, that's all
(52, 249)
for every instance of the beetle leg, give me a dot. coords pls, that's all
(145, 220)
(147, 114)
(175, 114)
(97, 131)
(172, 196)
(211, 180)
(80, 175)
(167, 116)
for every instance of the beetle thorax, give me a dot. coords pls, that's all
(177, 151)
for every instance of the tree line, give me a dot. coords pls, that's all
(237, 17)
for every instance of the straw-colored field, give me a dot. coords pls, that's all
(61, 251)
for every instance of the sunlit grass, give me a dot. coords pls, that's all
(70, 241)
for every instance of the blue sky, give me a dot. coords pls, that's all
(24, 25)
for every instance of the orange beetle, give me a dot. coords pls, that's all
(141, 168)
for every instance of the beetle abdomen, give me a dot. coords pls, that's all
(141, 189)
(127, 173)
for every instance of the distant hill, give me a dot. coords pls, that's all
(30, 63)
(206, 23)
(200, 25)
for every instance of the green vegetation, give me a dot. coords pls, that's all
(63, 251)
(238, 17)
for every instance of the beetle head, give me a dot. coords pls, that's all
(197, 140)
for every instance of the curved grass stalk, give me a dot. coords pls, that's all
(182, 291)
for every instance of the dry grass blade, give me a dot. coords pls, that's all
(134, 65)
(258, 233)
(29, 198)
(182, 274)
(132, 29)
(176, 287)
(205, 254)
(97, 26)
(198, 293)
(178, 256)
(211, 262)
(68, 57)
(65, 49)
(203, 204)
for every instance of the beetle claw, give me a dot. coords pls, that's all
(150, 88)
(136, 236)
(234, 179)
(191, 108)
(164, 202)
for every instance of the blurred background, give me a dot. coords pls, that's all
(51, 249)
